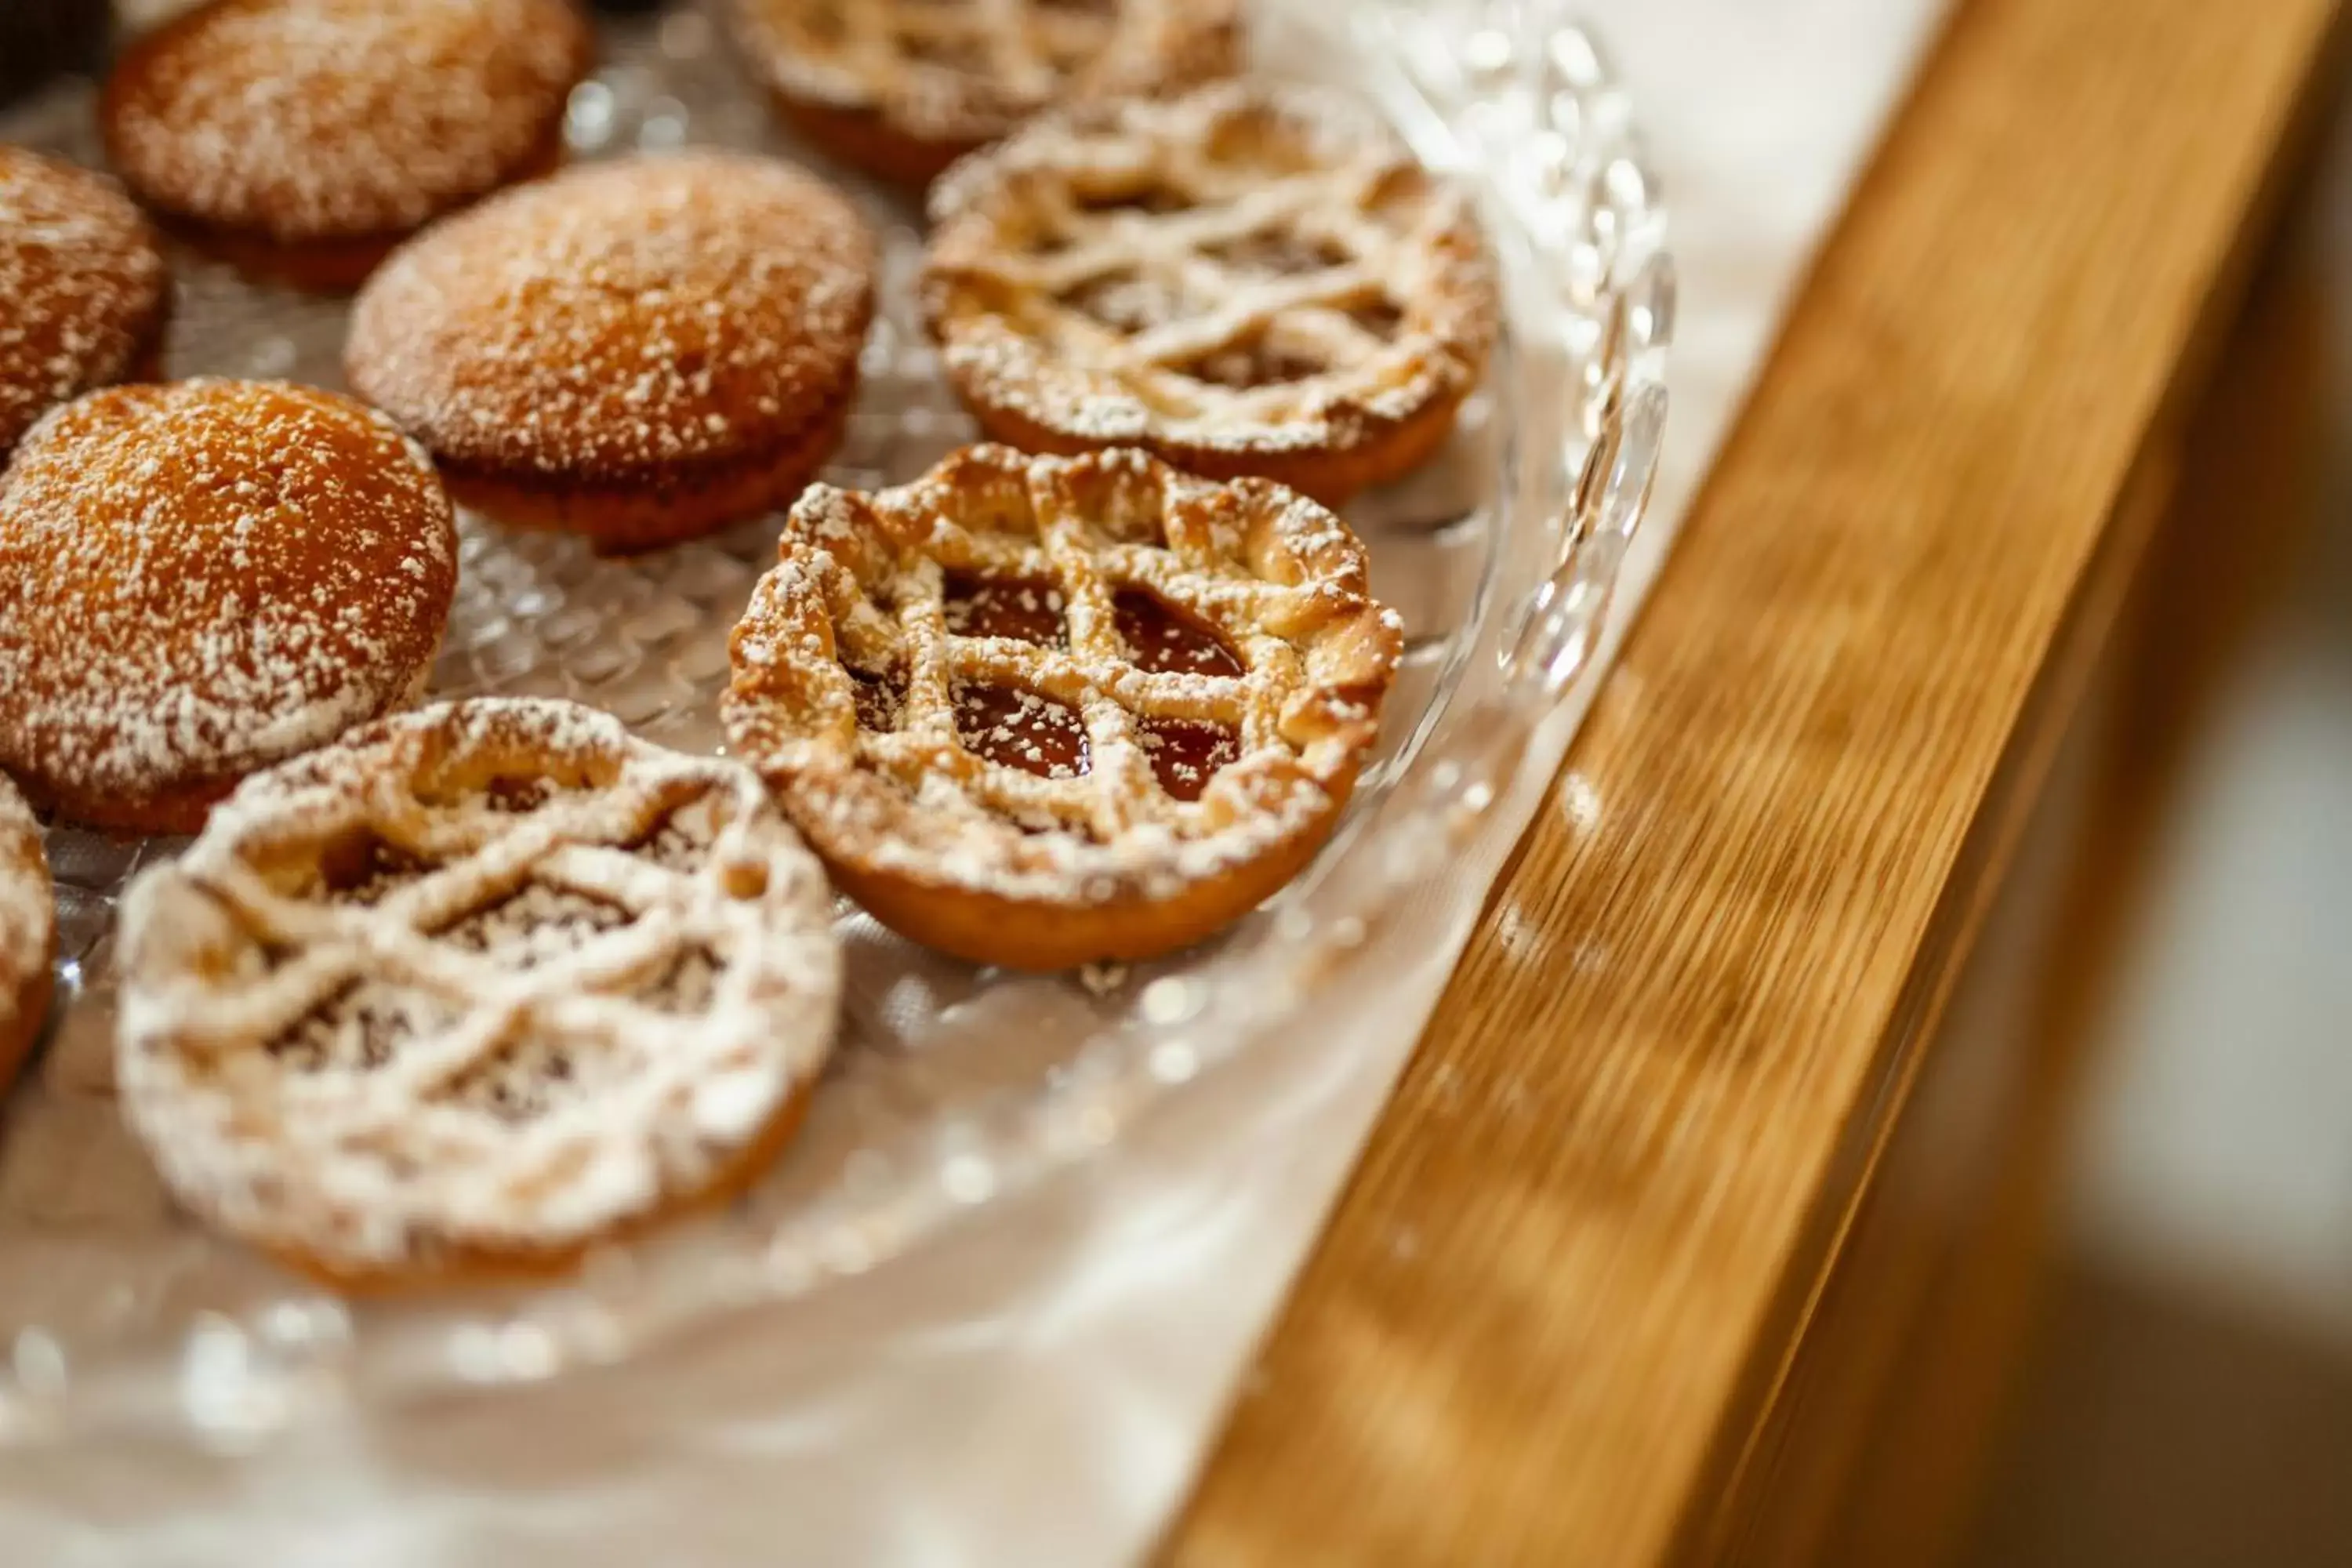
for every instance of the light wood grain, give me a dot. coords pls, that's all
(1576, 1262)
(2241, 520)
(1985, 1099)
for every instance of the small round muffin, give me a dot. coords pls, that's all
(203, 579)
(302, 140)
(86, 294)
(29, 931)
(640, 352)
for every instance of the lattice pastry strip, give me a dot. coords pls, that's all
(1027, 48)
(475, 986)
(1341, 261)
(928, 80)
(1158, 731)
(1248, 280)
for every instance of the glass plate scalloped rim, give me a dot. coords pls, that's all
(1514, 94)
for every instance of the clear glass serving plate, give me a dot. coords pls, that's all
(954, 1087)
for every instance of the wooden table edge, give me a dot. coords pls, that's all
(1399, 1411)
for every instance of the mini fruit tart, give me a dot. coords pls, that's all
(1039, 711)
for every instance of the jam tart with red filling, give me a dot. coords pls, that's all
(1040, 712)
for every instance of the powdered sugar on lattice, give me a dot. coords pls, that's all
(492, 976)
(1180, 674)
(969, 70)
(1247, 268)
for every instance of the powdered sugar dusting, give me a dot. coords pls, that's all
(27, 912)
(861, 590)
(623, 318)
(535, 1026)
(1250, 269)
(319, 119)
(949, 70)
(83, 289)
(207, 577)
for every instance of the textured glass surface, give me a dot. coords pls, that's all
(953, 1086)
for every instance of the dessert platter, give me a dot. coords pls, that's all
(661, 657)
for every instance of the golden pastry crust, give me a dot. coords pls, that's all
(522, 1261)
(28, 932)
(1038, 711)
(1249, 280)
(205, 578)
(86, 294)
(904, 88)
(641, 352)
(302, 139)
(473, 992)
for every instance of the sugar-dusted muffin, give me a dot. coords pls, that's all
(300, 139)
(203, 579)
(84, 293)
(640, 352)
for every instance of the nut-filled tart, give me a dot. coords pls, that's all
(1039, 711)
(1250, 279)
(472, 991)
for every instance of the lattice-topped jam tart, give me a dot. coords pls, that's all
(1252, 280)
(904, 88)
(471, 991)
(1039, 711)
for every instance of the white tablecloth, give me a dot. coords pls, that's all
(1039, 1393)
